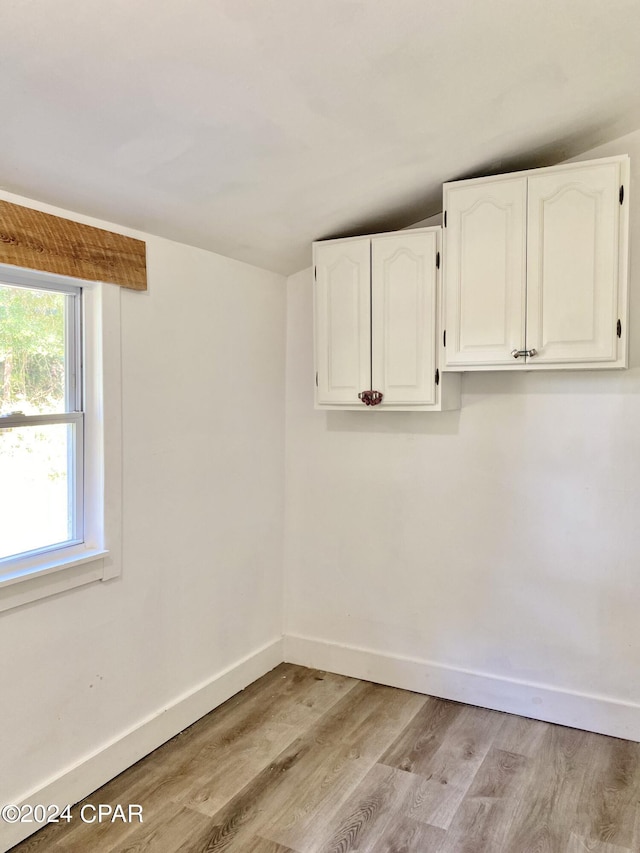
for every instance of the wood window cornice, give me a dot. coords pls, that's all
(42, 241)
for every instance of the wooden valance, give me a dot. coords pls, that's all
(41, 241)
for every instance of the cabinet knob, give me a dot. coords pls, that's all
(371, 398)
(516, 353)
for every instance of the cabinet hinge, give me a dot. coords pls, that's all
(437, 376)
(445, 219)
(437, 260)
(621, 193)
(619, 329)
(444, 338)
(315, 273)
(316, 378)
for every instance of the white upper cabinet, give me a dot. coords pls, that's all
(376, 322)
(536, 268)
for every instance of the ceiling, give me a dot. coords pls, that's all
(252, 127)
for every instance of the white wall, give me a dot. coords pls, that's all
(479, 554)
(203, 427)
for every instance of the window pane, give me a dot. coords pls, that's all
(36, 487)
(34, 366)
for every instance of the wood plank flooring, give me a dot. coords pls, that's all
(304, 761)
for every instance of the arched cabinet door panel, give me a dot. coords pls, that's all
(485, 270)
(342, 312)
(572, 264)
(403, 297)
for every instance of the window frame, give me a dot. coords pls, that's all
(36, 575)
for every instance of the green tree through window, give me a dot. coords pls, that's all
(32, 349)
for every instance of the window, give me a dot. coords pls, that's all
(60, 477)
(41, 419)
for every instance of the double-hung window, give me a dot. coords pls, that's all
(41, 418)
(60, 442)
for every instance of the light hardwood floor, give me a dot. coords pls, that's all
(304, 761)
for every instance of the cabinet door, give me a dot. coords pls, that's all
(343, 299)
(572, 264)
(485, 269)
(403, 294)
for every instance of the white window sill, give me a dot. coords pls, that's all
(50, 577)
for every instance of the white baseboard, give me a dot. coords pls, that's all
(594, 713)
(76, 782)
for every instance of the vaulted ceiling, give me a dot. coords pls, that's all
(251, 127)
